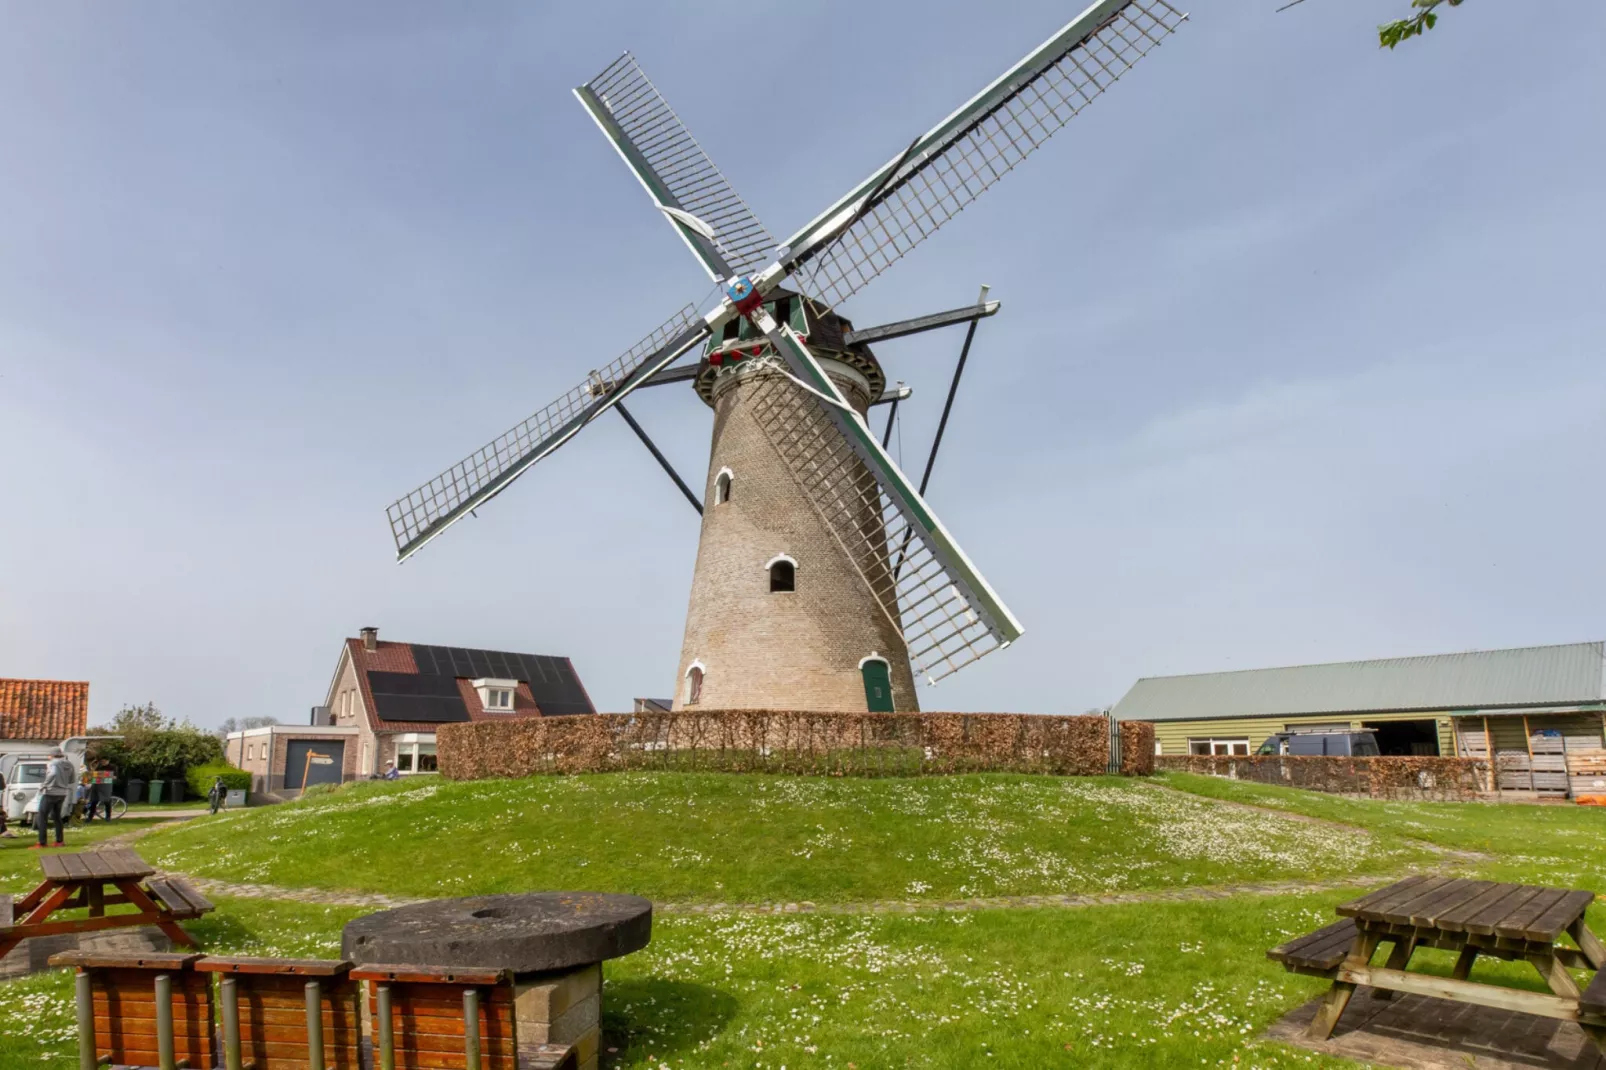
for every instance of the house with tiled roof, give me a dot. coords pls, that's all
(387, 700)
(41, 713)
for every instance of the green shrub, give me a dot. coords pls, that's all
(200, 778)
(154, 747)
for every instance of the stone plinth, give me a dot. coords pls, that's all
(553, 943)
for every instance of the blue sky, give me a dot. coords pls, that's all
(1299, 360)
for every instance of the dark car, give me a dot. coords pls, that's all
(1331, 744)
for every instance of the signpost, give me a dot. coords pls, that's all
(314, 758)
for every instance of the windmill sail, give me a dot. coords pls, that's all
(485, 473)
(676, 172)
(947, 613)
(907, 199)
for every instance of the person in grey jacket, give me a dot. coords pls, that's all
(60, 783)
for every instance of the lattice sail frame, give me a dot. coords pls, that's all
(960, 159)
(673, 167)
(431, 509)
(940, 629)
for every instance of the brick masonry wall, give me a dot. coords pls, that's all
(782, 651)
(1384, 778)
(805, 742)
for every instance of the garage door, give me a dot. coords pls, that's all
(313, 761)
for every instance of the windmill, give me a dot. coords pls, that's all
(823, 580)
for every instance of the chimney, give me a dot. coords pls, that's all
(370, 639)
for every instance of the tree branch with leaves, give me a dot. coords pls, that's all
(1423, 19)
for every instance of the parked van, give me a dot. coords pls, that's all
(1329, 743)
(24, 775)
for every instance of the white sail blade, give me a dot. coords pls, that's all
(722, 231)
(944, 608)
(906, 200)
(485, 473)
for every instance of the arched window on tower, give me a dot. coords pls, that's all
(722, 487)
(694, 685)
(783, 575)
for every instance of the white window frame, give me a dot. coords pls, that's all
(1213, 742)
(722, 486)
(494, 697)
(693, 698)
(1159, 748)
(487, 685)
(776, 560)
(412, 745)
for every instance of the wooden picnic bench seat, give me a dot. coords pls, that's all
(1317, 954)
(123, 993)
(179, 897)
(422, 1014)
(268, 1008)
(5, 913)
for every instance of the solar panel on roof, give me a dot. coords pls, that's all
(406, 696)
(552, 681)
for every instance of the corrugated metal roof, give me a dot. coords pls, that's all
(1529, 676)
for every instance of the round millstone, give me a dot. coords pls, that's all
(531, 933)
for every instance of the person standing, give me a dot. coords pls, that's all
(58, 787)
(100, 792)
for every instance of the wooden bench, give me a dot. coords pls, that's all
(126, 1003)
(429, 1018)
(277, 1011)
(1317, 954)
(179, 897)
(5, 913)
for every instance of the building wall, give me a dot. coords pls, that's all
(1173, 736)
(763, 650)
(269, 751)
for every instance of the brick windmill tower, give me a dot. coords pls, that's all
(823, 580)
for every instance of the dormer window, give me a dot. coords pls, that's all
(496, 695)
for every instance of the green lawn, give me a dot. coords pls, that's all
(1164, 984)
(1560, 844)
(19, 866)
(712, 837)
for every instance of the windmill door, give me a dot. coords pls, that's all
(877, 685)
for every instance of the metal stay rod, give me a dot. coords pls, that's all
(953, 388)
(662, 460)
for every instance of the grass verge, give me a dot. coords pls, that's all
(711, 838)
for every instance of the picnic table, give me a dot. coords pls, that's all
(99, 879)
(1514, 922)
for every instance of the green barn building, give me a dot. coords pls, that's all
(1540, 709)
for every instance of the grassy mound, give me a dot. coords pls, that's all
(749, 838)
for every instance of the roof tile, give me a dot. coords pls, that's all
(43, 709)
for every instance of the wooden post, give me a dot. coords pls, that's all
(314, 1025)
(232, 1059)
(387, 1030)
(1528, 741)
(1463, 963)
(471, 1028)
(164, 1022)
(88, 1057)
(1488, 746)
(306, 769)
